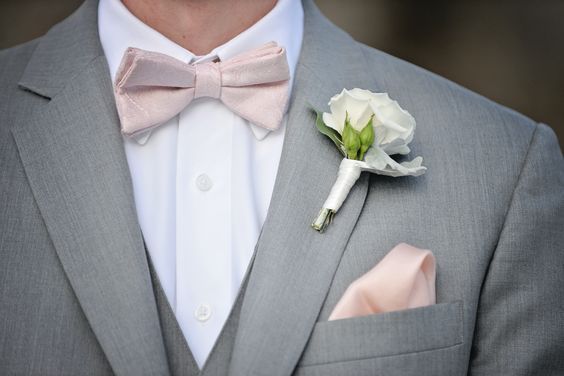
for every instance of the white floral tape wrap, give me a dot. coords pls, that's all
(349, 172)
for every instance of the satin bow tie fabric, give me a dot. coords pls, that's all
(151, 88)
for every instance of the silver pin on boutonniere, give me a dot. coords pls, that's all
(367, 128)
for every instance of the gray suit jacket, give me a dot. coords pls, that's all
(75, 291)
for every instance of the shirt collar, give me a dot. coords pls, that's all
(119, 29)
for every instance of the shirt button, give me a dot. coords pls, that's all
(203, 313)
(203, 182)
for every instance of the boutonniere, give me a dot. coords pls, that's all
(367, 128)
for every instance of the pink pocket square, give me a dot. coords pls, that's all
(404, 278)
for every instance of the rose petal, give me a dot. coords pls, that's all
(338, 110)
(398, 146)
(361, 94)
(357, 110)
(392, 124)
(364, 118)
(386, 121)
(376, 157)
(380, 99)
(330, 122)
(397, 116)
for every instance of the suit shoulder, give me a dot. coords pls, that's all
(448, 101)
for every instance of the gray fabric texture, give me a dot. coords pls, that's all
(219, 360)
(76, 296)
(180, 358)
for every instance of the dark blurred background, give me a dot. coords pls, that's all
(511, 51)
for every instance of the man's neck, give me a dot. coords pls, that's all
(200, 25)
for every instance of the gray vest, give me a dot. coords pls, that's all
(180, 359)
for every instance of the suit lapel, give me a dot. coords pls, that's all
(73, 155)
(294, 264)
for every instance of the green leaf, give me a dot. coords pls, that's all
(329, 132)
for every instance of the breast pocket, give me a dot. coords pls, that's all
(435, 327)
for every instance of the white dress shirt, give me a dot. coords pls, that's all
(202, 181)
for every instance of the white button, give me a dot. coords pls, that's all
(203, 312)
(203, 182)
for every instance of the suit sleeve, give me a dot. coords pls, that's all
(520, 321)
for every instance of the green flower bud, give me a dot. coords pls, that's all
(366, 138)
(351, 140)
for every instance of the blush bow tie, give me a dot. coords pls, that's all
(152, 88)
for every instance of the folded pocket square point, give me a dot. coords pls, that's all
(403, 279)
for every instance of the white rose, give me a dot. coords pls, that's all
(393, 126)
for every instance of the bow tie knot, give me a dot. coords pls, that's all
(208, 80)
(152, 88)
